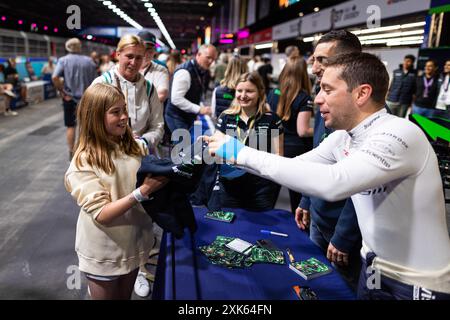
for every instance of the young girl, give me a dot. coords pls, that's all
(114, 234)
(249, 119)
(293, 104)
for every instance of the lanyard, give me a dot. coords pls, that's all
(238, 129)
(427, 84)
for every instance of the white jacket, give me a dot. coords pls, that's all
(144, 108)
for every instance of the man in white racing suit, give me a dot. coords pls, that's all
(385, 164)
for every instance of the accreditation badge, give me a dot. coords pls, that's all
(440, 105)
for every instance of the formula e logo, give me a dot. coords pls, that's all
(373, 191)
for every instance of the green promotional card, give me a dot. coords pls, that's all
(224, 216)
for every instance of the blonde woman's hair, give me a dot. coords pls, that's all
(262, 106)
(293, 79)
(129, 40)
(235, 68)
(93, 141)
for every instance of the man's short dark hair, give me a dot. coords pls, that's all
(363, 68)
(410, 57)
(346, 41)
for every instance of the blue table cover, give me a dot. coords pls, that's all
(186, 274)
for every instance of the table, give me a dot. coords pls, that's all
(184, 273)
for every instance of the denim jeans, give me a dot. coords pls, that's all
(426, 112)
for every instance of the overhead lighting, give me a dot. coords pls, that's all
(391, 35)
(160, 24)
(389, 28)
(403, 43)
(311, 39)
(264, 46)
(300, 14)
(210, 4)
(393, 40)
(122, 14)
(316, 9)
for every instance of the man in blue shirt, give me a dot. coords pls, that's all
(333, 225)
(78, 72)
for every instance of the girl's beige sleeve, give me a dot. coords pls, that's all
(87, 189)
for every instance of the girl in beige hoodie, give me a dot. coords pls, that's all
(114, 234)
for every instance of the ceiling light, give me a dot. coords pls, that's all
(389, 28)
(316, 9)
(403, 39)
(264, 45)
(122, 14)
(391, 35)
(210, 4)
(148, 5)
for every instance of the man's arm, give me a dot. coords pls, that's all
(382, 159)
(347, 236)
(180, 86)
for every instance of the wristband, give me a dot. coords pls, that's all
(137, 194)
(230, 149)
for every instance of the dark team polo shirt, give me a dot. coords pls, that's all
(257, 133)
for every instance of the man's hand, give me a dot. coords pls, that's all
(338, 257)
(223, 146)
(205, 110)
(302, 218)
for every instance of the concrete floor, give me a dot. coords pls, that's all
(37, 215)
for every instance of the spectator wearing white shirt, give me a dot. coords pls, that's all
(157, 74)
(188, 85)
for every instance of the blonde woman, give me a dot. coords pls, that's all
(114, 234)
(293, 104)
(144, 108)
(223, 95)
(250, 120)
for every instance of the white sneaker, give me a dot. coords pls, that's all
(141, 286)
(10, 113)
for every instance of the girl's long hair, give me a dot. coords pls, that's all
(93, 142)
(293, 79)
(235, 68)
(262, 106)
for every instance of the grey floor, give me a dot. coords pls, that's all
(37, 216)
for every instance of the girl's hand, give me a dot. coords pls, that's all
(152, 184)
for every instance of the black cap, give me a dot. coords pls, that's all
(147, 37)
